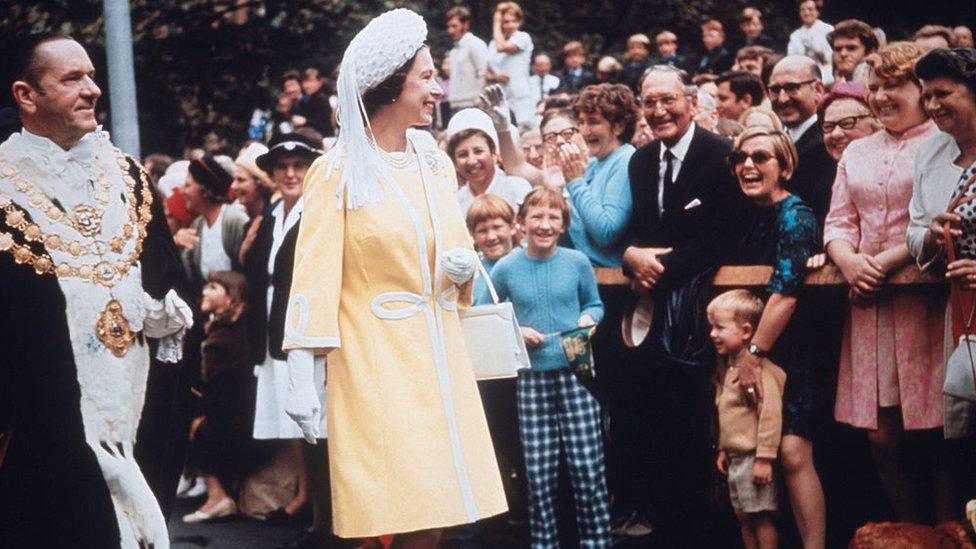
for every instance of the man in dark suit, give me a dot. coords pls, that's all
(688, 215)
(795, 87)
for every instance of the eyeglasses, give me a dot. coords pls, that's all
(549, 138)
(666, 101)
(790, 88)
(845, 123)
(758, 157)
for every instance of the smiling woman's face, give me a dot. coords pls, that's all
(421, 92)
(759, 173)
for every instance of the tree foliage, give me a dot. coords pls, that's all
(202, 66)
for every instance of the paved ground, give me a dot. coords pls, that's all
(233, 533)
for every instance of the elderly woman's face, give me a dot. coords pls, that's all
(558, 131)
(758, 170)
(951, 105)
(421, 92)
(844, 121)
(896, 102)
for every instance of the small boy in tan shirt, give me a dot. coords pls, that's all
(749, 435)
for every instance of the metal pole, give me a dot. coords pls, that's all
(121, 76)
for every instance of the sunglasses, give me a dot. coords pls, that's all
(790, 88)
(549, 138)
(844, 123)
(758, 157)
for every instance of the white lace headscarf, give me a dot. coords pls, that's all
(376, 52)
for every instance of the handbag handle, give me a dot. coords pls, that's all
(491, 287)
(962, 322)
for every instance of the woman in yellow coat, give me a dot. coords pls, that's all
(382, 262)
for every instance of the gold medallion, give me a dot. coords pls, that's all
(113, 329)
(86, 219)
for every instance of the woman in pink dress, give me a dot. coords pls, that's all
(892, 359)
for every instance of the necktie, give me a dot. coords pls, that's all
(668, 182)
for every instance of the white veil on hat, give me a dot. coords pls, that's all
(384, 45)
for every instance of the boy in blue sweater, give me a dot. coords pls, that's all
(553, 290)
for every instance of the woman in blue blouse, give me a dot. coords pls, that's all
(598, 188)
(598, 185)
(784, 235)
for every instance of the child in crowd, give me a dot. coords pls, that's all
(223, 445)
(491, 222)
(553, 289)
(749, 436)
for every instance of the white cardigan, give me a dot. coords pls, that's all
(936, 177)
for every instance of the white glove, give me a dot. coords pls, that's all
(459, 264)
(167, 316)
(303, 405)
(494, 104)
(167, 320)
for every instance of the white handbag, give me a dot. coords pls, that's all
(492, 335)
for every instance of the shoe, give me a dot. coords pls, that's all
(191, 488)
(183, 487)
(635, 525)
(224, 508)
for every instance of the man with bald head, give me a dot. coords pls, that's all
(87, 267)
(795, 88)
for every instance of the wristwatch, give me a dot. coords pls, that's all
(755, 350)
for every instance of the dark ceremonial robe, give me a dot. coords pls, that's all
(52, 491)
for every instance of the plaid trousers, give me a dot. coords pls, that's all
(555, 411)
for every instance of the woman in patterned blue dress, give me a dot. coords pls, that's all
(784, 234)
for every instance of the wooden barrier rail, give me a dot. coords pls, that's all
(758, 275)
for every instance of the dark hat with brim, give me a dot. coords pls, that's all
(288, 144)
(212, 176)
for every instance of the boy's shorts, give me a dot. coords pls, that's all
(745, 495)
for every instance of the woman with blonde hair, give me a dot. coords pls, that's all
(783, 234)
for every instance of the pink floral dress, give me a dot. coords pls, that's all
(892, 353)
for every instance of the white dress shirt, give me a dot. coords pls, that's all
(212, 254)
(680, 150)
(797, 132)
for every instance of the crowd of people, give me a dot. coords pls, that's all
(602, 196)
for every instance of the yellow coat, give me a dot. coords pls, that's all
(409, 447)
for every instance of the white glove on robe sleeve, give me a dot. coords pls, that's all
(167, 320)
(303, 400)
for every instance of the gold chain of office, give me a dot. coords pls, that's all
(86, 218)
